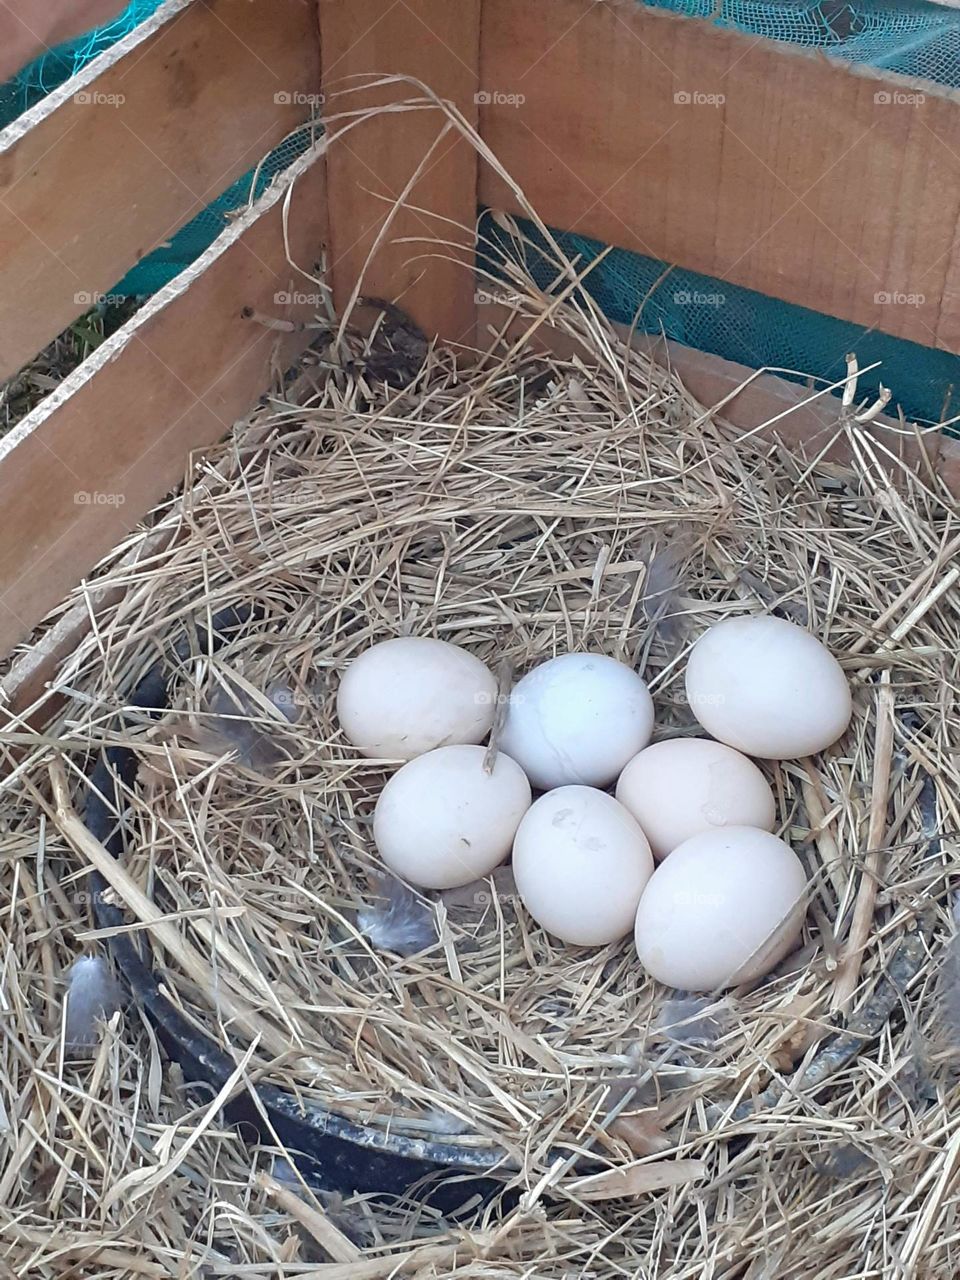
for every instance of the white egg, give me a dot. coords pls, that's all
(678, 788)
(724, 908)
(580, 862)
(410, 695)
(768, 688)
(442, 820)
(577, 719)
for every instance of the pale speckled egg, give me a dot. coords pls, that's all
(724, 908)
(580, 862)
(577, 719)
(443, 821)
(678, 788)
(768, 688)
(406, 696)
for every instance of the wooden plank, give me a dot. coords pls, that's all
(113, 162)
(114, 438)
(371, 163)
(29, 690)
(828, 185)
(762, 403)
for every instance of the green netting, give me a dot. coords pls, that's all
(35, 81)
(738, 324)
(907, 36)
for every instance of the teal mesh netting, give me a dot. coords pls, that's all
(36, 80)
(738, 324)
(907, 36)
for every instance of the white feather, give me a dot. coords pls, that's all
(397, 920)
(444, 1123)
(693, 1020)
(93, 996)
(286, 701)
(948, 985)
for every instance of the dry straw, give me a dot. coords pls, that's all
(520, 506)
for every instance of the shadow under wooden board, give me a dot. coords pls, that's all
(115, 437)
(115, 160)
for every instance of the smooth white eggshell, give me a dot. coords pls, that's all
(724, 908)
(577, 719)
(678, 788)
(442, 820)
(406, 696)
(580, 862)
(768, 688)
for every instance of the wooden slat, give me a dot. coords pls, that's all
(113, 439)
(436, 42)
(29, 689)
(110, 164)
(812, 181)
(762, 403)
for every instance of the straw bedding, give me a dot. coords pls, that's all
(520, 507)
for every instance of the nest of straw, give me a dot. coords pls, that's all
(522, 506)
